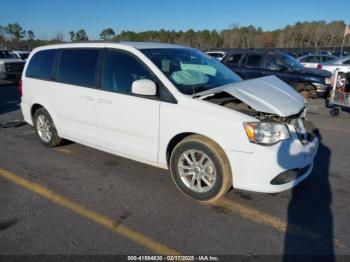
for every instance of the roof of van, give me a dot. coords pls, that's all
(137, 45)
(150, 45)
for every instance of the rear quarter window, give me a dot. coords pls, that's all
(78, 67)
(41, 64)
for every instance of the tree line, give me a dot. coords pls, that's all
(315, 34)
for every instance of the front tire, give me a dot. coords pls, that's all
(45, 129)
(200, 169)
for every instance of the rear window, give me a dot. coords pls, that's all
(254, 60)
(78, 67)
(41, 64)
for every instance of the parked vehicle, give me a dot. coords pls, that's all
(340, 64)
(11, 66)
(325, 53)
(172, 107)
(314, 60)
(341, 54)
(257, 63)
(339, 95)
(23, 55)
(219, 55)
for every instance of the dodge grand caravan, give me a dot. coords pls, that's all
(172, 107)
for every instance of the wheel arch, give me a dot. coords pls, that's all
(34, 108)
(36, 105)
(175, 140)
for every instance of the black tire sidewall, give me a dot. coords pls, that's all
(334, 112)
(207, 196)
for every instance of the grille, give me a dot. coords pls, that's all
(14, 67)
(306, 131)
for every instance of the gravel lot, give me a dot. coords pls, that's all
(311, 219)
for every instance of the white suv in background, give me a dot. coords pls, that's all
(11, 66)
(172, 107)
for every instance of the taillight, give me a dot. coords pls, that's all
(319, 66)
(20, 88)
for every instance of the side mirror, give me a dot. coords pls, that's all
(144, 87)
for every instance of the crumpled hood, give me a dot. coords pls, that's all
(266, 94)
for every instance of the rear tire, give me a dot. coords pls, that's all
(45, 129)
(200, 169)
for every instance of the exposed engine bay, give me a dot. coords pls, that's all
(227, 100)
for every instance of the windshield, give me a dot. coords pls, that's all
(5, 54)
(190, 70)
(291, 62)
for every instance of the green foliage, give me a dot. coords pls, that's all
(15, 31)
(78, 36)
(107, 34)
(314, 34)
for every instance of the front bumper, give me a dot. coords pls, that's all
(10, 76)
(258, 170)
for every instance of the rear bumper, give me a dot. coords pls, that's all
(26, 113)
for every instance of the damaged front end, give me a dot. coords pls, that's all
(305, 130)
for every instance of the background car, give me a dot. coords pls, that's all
(314, 60)
(258, 63)
(11, 66)
(219, 55)
(23, 55)
(341, 64)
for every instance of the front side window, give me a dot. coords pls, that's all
(190, 70)
(121, 70)
(234, 59)
(254, 60)
(289, 62)
(41, 64)
(311, 59)
(78, 67)
(272, 63)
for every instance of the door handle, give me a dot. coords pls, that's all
(104, 101)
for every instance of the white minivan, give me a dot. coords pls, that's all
(172, 107)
